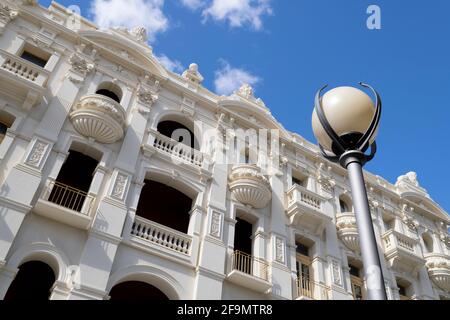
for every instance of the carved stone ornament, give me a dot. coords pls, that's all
(99, 117)
(336, 272)
(146, 96)
(249, 186)
(138, 34)
(6, 15)
(408, 220)
(120, 186)
(246, 91)
(80, 64)
(192, 74)
(438, 266)
(279, 250)
(37, 154)
(348, 230)
(215, 224)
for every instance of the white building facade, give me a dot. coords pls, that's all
(100, 184)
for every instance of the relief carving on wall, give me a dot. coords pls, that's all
(37, 154)
(120, 186)
(6, 15)
(216, 224)
(80, 64)
(335, 268)
(279, 250)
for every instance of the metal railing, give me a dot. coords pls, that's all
(161, 235)
(68, 197)
(248, 264)
(306, 287)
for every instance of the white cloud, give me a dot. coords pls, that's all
(129, 14)
(193, 4)
(239, 13)
(169, 64)
(228, 79)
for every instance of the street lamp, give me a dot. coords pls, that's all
(345, 123)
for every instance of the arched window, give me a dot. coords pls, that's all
(178, 132)
(110, 90)
(428, 242)
(343, 205)
(136, 291)
(165, 205)
(33, 282)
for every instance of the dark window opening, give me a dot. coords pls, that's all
(3, 129)
(354, 271)
(73, 181)
(343, 205)
(296, 181)
(34, 59)
(33, 282)
(164, 205)
(178, 132)
(401, 290)
(136, 291)
(302, 249)
(109, 94)
(243, 236)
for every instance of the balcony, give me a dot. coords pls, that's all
(99, 117)
(249, 186)
(177, 151)
(304, 208)
(249, 272)
(402, 252)
(22, 79)
(347, 230)
(65, 204)
(156, 234)
(438, 266)
(307, 289)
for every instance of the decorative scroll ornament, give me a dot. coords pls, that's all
(80, 64)
(6, 15)
(408, 220)
(246, 91)
(138, 34)
(147, 96)
(323, 177)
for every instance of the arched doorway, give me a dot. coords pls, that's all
(136, 290)
(33, 282)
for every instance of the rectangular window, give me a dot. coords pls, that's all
(35, 55)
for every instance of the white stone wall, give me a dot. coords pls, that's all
(89, 261)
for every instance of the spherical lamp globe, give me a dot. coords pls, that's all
(349, 112)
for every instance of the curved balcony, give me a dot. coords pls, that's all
(347, 230)
(438, 266)
(249, 186)
(99, 117)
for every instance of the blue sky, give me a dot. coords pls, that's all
(289, 49)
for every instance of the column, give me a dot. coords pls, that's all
(113, 220)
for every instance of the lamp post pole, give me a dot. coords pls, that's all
(367, 240)
(345, 123)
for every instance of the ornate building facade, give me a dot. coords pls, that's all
(103, 195)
